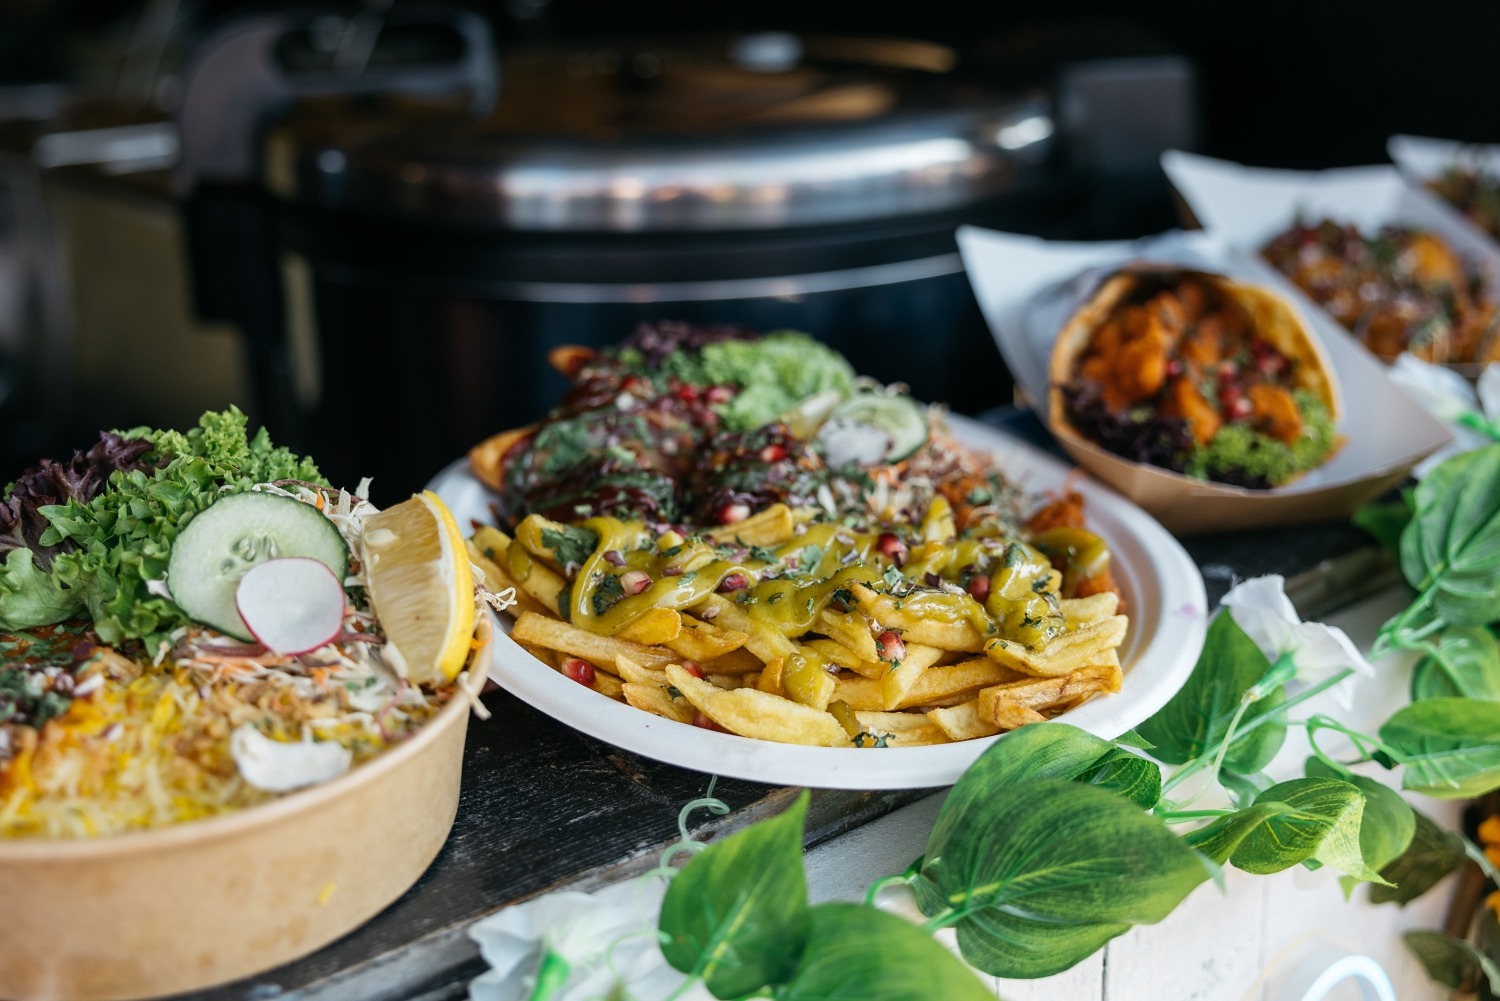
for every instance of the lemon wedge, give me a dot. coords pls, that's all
(422, 588)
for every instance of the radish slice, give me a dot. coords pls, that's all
(291, 605)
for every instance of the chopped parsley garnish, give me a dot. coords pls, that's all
(892, 576)
(764, 554)
(811, 556)
(673, 551)
(673, 693)
(979, 495)
(773, 599)
(866, 739)
(842, 599)
(608, 594)
(571, 543)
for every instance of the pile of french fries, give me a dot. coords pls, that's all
(716, 665)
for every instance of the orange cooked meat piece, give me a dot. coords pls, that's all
(1274, 411)
(1065, 512)
(1184, 400)
(1140, 368)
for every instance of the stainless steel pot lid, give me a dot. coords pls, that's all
(728, 133)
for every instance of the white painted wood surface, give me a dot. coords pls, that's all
(1240, 944)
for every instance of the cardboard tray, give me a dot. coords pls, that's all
(185, 907)
(1244, 207)
(1028, 288)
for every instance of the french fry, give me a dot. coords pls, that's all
(862, 694)
(654, 699)
(728, 682)
(600, 651)
(963, 721)
(607, 684)
(917, 735)
(1079, 611)
(634, 674)
(851, 630)
(959, 635)
(1009, 716)
(1066, 653)
(876, 721)
(656, 627)
(700, 641)
(492, 542)
(540, 581)
(769, 644)
(1040, 694)
(753, 713)
(960, 681)
(899, 679)
(836, 653)
(764, 528)
(739, 661)
(541, 653)
(770, 679)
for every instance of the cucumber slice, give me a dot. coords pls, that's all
(227, 538)
(873, 428)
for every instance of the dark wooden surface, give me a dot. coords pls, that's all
(545, 807)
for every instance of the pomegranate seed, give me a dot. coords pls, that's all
(891, 547)
(636, 386)
(1239, 409)
(671, 570)
(692, 668)
(687, 394)
(579, 670)
(979, 586)
(1174, 368)
(734, 582)
(731, 513)
(892, 648)
(706, 419)
(701, 720)
(719, 394)
(613, 557)
(772, 453)
(635, 581)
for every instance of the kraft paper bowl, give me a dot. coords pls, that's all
(189, 906)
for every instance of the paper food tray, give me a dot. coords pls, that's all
(1244, 207)
(1421, 160)
(1028, 287)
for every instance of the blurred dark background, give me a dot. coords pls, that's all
(376, 300)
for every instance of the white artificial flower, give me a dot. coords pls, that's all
(1261, 608)
(1441, 391)
(607, 939)
(1448, 396)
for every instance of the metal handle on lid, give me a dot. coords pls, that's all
(250, 68)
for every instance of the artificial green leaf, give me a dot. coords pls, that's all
(860, 952)
(1196, 719)
(1244, 788)
(1035, 875)
(1130, 775)
(1043, 750)
(1450, 746)
(737, 914)
(1385, 520)
(1316, 818)
(1221, 838)
(1468, 666)
(1133, 738)
(1388, 823)
(1451, 961)
(1432, 854)
(1451, 548)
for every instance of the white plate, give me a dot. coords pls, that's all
(1162, 586)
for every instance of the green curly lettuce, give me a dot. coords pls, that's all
(110, 547)
(1242, 454)
(773, 373)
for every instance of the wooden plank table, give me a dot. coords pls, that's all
(545, 807)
